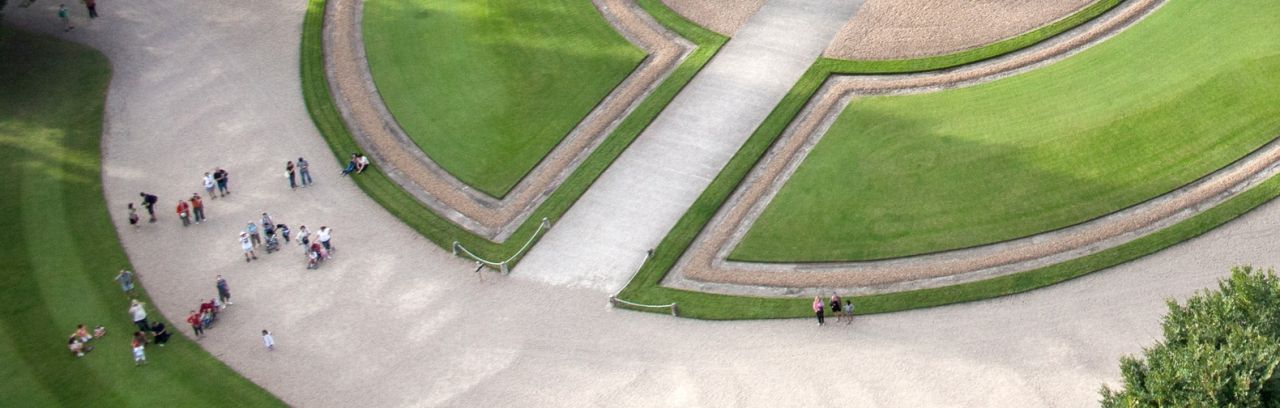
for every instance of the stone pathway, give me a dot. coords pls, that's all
(603, 238)
(395, 321)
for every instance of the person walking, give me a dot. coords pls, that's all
(196, 325)
(252, 230)
(267, 223)
(149, 202)
(65, 16)
(184, 212)
(224, 292)
(817, 309)
(209, 184)
(835, 307)
(304, 172)
(284, 232)
(139, 314)
(289, 171)
(133, 215)
(268, 340)
(848, 311)
(247, 247)
(125, 279)
(221, 177)
(304, 236)
(324, 235)
(139, 346)
(197, 207)
(92, 5)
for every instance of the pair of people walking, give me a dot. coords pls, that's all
(196, 207)
(298, 172)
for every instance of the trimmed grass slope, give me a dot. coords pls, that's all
(488, 88)
(61, 250)
(1188, 91)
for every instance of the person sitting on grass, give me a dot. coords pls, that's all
(362, 162)
(351, 165)
(82, 334)
(77, 347)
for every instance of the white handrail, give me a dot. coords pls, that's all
(545, 225)
(614, 300)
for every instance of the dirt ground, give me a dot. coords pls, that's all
(893, 29)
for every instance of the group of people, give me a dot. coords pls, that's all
(317, 249)
(78, 343)
(158, 332)
(357, 164)
(841, 311)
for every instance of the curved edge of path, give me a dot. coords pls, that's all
(705, 267)
(376, 131)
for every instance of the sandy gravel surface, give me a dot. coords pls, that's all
(721, 16)
(395, 321)
(896, 29)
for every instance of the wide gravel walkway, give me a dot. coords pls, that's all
(603, 238)
(396, 321)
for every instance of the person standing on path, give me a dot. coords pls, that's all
(209, 184)
(197, 207)
(133, 215)
(289, 171)
(817, 309)
(835, 307)
(184, 212)
(324, 235)
(149, 201)
(848, 311)
(139, 315)
(304, 171)
(125, 279)
(221, 177)
(92, 5)
(268, 340)
(65, 16)
(247, 246)
(252, 230)
(224, 292)
(196, 325)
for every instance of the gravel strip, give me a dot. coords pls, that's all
(704, 266)
(377, 132)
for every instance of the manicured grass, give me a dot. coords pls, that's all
(441, 230)
(1168, 101)
(61, 251)
(646, 287)
(488, 88)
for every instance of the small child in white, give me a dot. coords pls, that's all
(268, 340)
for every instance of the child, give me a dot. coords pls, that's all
(65, 16)
(139, 349)
(268, 340)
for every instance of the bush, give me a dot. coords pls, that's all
(1220, 350)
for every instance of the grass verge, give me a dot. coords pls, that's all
(440, 230)
(62, 250)
(487, 89)
(646, 286)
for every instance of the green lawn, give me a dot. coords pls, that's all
(488, 87)
(1187, 91)
(61, 252)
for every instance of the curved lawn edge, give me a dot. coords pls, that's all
(972, 55)
(61, 258)
(440, 230)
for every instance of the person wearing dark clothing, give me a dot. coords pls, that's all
(149, 201)
(221, 177)
(159, 333)
(92, 5)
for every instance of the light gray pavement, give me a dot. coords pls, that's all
(396, 321)
(603, 238)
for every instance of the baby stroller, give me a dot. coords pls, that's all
(315, 254)
(273, 243)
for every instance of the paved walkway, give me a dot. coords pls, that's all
(602, 239)
(396, 321)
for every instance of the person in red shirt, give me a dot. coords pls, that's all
(197, 207)
(194, 319)
(184, 212)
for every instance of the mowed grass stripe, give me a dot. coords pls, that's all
(62, 251)
(488, 88)
(1185, 92)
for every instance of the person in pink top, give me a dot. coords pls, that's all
(817, 309)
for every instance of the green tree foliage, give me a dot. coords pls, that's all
(1220, 350)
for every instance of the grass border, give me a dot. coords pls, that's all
(646, 286)
(315, 90)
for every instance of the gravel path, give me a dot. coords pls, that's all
(395, 321)
(602, 239)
